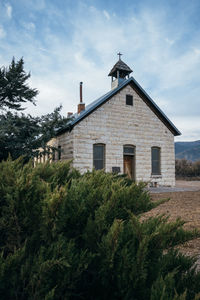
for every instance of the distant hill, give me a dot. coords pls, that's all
(188, 150)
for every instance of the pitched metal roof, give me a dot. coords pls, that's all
(120, 66)
(76, 118)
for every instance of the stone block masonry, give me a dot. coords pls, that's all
(116, 124)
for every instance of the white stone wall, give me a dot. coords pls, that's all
(116, 124)
(64, 140)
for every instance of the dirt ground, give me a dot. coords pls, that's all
(181, 186)
(188, 184)
(185, 203)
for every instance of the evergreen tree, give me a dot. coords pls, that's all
(14, 90)
(22, 134)
(69, 236)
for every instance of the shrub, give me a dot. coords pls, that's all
(69, 236)
(187, 169)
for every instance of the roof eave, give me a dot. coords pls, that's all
(63, 130)
(159, 113)
(112, 72)
(143, 94)
(85, 113)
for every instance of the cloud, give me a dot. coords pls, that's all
(196, 51)
(189, 127)
(34, 5)
(2, 32)
(44, 50)
(76, 43)
(170, 42)
(29, 26)
(8, 10)
(106, 14)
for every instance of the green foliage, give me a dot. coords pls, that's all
(22, 134)
(69, 236)
(162, 289)
(13, 86)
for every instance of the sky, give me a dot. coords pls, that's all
(64, 42)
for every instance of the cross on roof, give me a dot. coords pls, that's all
(120, 54)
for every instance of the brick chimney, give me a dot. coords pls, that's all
(81, 105)
(69, 114)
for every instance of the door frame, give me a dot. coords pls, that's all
(131, 154)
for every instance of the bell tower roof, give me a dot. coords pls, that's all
(120, 67)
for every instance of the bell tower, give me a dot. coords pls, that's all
(119, 72)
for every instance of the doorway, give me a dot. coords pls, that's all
(129, 161)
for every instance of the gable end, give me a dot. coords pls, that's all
(139, 90)
(154, 107)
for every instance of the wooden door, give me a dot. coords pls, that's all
(129, 166)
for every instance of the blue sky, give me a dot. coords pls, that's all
(65, 42)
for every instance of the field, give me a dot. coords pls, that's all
(185, 203)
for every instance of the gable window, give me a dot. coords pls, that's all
(129, 100)
(155, 161)
(99, 156)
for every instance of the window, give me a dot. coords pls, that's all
(53, 155)
(129, 150)
(155, 161)
(59, 152)
(129, 100)
(99, 156)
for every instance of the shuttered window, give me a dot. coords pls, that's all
(155, 161)
(99, 156)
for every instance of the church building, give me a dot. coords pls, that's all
(124, 132)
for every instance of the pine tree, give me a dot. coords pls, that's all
(22, 134)
(14, 90)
